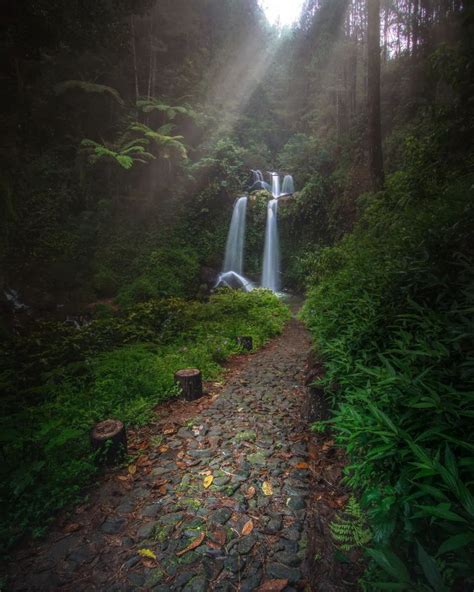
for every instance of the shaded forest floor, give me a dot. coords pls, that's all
(160, 523)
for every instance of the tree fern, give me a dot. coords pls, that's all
(350, 531)
(148, 105)
(89, 87)
(169, 145)
(126, 155)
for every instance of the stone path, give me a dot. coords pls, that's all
(156, 526)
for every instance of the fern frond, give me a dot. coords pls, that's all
(89, 87)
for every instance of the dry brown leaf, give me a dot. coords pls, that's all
(181, 465)
(273, 586)
(73, 527)
(219, 536)
(132, 469)
(163, 448)
(163, 490)
(247, 529)
(251, 491)
(122, 477)
(267, 488)
(207, 481)
(169, 431)
(197, 541)
(302, 465)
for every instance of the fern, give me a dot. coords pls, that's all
(89, 87)
(350, 531)
(168, 144)
(149, 105)
(125, 155)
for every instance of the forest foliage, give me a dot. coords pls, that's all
(130, 128)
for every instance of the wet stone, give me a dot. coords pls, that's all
(274, 525)
(246, 436)
(183, 578)
(136, 579)
(279, 571)
(220, 516)
(293, 534)
(145, 531)
(197, 584)
(171, 519)
(155, 577)
(246, 544)
(257, 458)
(296, 503)
(288, 558)
(113, 525)
(151, 511)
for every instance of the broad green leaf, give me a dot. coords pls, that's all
(390, 563)
(456, 542)
(430, 569)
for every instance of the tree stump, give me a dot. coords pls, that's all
(190, 382)
(109, 440)
(245, 342)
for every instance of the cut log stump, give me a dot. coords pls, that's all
(190, 382)
(109, 440)
(245, 342)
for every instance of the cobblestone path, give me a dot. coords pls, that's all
(163, 524)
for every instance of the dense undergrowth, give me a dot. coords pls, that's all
(59, 380)
(390, 308)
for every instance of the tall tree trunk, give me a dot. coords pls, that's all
(373, 94)
(134, 53)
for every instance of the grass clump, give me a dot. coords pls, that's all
(59, 381)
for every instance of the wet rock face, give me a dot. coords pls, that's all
(170, 527)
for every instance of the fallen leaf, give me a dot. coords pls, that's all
(163, 490)
(169, 431)
(273, 586)
(219, 536)
(197, 541)
(163, 448)
(132, 469)
(267, 488)
(147, 554)
(247, 529)
(181, 465)
(251, 491)
(122, 477)
(207, 481)
(73, 527)
(302, 465)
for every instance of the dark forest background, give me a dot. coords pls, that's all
(128, 130)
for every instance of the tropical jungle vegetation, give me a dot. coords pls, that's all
(128, 130)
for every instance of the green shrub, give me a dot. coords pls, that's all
(391, 315)
(166, 272)
(116, 366)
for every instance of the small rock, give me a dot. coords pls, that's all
(145, 531)
(282, 572)
(113, 525)
(197, 584)
(220, 516)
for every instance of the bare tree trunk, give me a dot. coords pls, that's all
(134, 52)
(373, 94)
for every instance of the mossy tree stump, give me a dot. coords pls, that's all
(245, 342)
(109, 441)
(190, 382)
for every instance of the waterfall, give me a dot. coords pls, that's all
(275, 184)
(271, 254)
(234, 251)
(288, 186)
